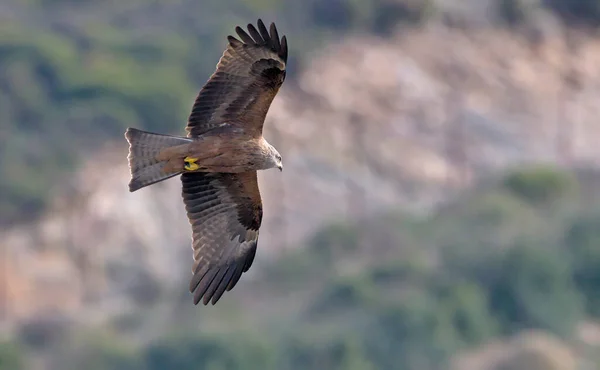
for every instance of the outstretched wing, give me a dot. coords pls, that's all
(225, 211)
(247, 78)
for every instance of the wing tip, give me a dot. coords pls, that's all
(283, 54)
(209, 287)
(233, 41)
(211, 290)
(262, 36)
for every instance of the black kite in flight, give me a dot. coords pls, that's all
(219, 158)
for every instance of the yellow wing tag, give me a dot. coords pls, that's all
(190, 164)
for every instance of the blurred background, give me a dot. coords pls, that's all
(439, 208)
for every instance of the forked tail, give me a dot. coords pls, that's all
(143, 150)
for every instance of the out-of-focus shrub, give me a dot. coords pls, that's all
(346, 293)
(393, 12)
(539, 185)
(582, 241)
(343, 352)
(424, 326)
(43, 331)
(11, 357)
(535, 289)
(411, 334)
(466, 305)
(332, 240)
(379, 16)
(208, 352)
(336, 14)
(517, 11)
(577, 11)
(96, 351)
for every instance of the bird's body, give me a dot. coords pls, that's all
(219, 158)
(219, 152)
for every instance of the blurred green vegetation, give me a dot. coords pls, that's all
(11, 357)
(491, 264)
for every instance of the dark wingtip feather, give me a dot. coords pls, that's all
(215, 284)
(224, 284)
(210, 284)
(255, 34)
(199, 273)
(235, 278)
(260, 35)
(243, 35)
(275, 37)
(250, 257)
(204, 284)
(262, 29)
(263, 32)
(283, 52)
(233, 41)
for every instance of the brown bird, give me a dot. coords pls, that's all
(219, 158)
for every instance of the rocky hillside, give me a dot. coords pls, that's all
(371, 124)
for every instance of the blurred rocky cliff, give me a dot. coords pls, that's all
(370, 124)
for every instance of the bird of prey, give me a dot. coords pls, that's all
(219, 158)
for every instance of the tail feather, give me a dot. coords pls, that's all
(143, 149)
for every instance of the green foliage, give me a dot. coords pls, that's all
(334, 239)
(379, 16)
(59, 105)
(411, 333)
(11, 357)
(539, 185)
(534, 289)
(343, 352)
(582, 241)
(391, 13)
(337, 14)
(96, 351)
(466, 306)
(577, 11)
(517, 11)
(213, 353)
(348, 292)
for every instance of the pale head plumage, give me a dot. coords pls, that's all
(273, 159)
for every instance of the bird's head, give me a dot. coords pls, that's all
(275, 158)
